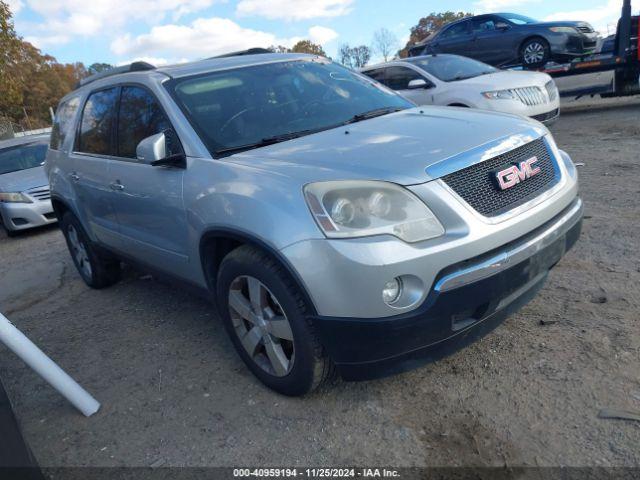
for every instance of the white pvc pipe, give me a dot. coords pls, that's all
(46, 368)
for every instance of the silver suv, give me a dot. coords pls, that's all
(337, 226)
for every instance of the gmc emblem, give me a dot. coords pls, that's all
(509, 177)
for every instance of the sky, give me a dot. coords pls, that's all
(171, 31)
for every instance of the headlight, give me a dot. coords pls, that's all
(563, 30)
(14, 198)
(350, 209)
(500, 95)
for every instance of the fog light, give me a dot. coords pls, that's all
(392, 291)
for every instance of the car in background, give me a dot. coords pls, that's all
(608, 44)
(508, 38)
(452, 80)
(25, 200)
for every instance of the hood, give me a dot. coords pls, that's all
(397, 148)
(23, 180)
(505, 79)
(564, 24)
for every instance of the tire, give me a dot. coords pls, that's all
(278, 344)
(97, 270)
(535, 52)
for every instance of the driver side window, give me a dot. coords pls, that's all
(140, 116)
(398, 78)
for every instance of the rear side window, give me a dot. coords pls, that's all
(456, 30)
(398, 78)
(63, 122)
(98, 118)
(140, 117)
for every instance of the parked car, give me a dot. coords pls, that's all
(24, 190)
(452, 80)
(336, 224)
(508, 38)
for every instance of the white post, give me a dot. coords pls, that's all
(46, 368)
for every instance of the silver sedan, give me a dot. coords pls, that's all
(25, 200)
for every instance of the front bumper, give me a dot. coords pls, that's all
(572, 45)
(22, 216)
(467, 302)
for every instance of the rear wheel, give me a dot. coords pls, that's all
(265, 315)
(96, 269)
(534, 52)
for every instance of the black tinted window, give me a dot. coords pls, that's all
(398, 78)
(97, 122)
(484, 25)
(456, 30)
(140, 117)
(63, 122)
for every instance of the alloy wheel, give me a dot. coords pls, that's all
(534, 53)
(261, 326)
(79, 252)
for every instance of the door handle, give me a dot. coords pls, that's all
(117, 186)
(74, 176)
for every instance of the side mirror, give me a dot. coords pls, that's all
(419, 83)
(155, 151)
(502, 26)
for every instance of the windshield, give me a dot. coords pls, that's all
(450, 68)
(245, 106)
(22, 157)
(518, 19)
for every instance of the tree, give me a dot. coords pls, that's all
(361, 56)
(98, 68)
(356, 57)
(307, 46)
(30, 82)
(279, 49)
(345, 56)
(428, 25)
(385, 43)
(10, 86)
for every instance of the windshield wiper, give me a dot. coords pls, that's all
(378, 112)
(265, 142)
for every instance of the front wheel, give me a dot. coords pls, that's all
(535, 52)
(97, 270)
(265, 316)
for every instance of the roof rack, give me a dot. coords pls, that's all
(251, 51)
(133, 67)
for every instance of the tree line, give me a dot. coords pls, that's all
(31, 82)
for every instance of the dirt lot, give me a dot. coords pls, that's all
(175, 393)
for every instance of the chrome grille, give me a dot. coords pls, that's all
(476, 187)
(585, 29)
(40, 193)
(530, 96)
(552, 90)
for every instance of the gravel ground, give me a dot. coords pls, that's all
(174, 392)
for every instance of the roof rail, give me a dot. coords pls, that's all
(251, 51)
(133, 67)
